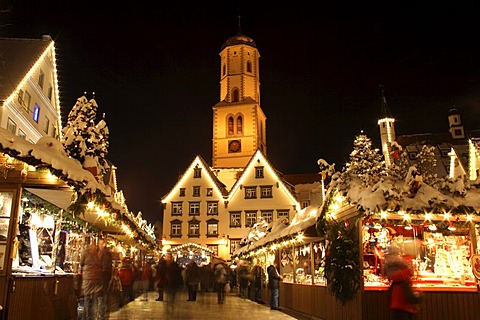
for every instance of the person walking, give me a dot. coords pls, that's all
(173, 277)
(192, 279)
(160, 277)
(145, 279)
(243, 274)
(126, 278)
(105, 258)
(221, 279)
(403, 301)
(92, 283)
(258, 281)
(274, 285)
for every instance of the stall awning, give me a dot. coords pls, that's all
(61, 198)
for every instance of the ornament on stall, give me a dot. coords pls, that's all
(347, 223)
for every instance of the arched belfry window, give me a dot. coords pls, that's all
(224, 69)
(249, 66)
(239, 125)
(230, 125)
(235, 95)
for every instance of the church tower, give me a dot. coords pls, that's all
(387, 131)
(239, 124)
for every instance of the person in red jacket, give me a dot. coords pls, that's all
(403, 301)
(126, 278)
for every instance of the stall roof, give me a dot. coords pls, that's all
(61, 198)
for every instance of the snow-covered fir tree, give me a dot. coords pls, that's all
(365, 161)
(426, 164)
(85, 140)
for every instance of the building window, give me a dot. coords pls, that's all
(283, 214)
(176, 208)
(249, 66)
(197, 173)
(22, 134)
(182, 192)
(50, 93)
(41, 78)
(196, 191)
(212, 207)
(230, 125)
(259, 173)
(20, 97)
(250, 218)
(267, 216)
(304, 204)
(234, 244)
(239, 125)
(11, 126)
(266, 192)
(194, 229)
(194, 208)
(250, 192)
(224, 69)
(176, 229)
(36, 113)
(26, 100)
(212, 228)
(209, 192)
(47, 125)
(235, 219)
(236, 95)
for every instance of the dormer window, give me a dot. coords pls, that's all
(197, 173)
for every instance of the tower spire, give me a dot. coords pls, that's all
(239, 24)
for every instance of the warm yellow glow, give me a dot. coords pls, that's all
(452, 163)
(383, 215)
(300, 237)
(90, 205)
(447, 216)
(428, 216)
(472, 160)
(406, 217)
(469, 217)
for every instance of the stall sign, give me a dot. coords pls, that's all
(476, 265)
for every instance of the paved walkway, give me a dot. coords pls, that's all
(206, 307)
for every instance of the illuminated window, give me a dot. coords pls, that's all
(259, 173)
(11, 126)
(41, 78)
(194, 208)
(176, 208)
(235, 219)
(212, 207)
(176, 229)
(36, 113)
(266, 192)
(212, 228)
(209, 192)
(214, 248)
(230, 125)
(234, 244)
(194, 228)
(26, 100)
(250, 192)
(250, 218)
(239, 125)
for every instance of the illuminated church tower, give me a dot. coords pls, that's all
(387, 131)
(239, 124)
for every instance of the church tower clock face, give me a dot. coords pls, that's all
(234, 146)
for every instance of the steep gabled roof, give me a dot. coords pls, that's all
(219, 186)
(250, 170)
(17, 57)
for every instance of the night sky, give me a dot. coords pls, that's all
(155, 69)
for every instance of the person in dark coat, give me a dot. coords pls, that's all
(173, 277)
(160, 277)
(258, 282)
(105, 258)
(192, 279)
(243, 275)
(274, 285)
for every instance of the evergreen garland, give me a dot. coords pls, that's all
(342, 261)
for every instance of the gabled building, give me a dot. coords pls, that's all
(29, 88)
(214, 207)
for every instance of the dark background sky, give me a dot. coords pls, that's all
(154, 67)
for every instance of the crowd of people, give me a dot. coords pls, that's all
(108, 284)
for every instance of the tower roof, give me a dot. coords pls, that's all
(384, 112)
(239, 38)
